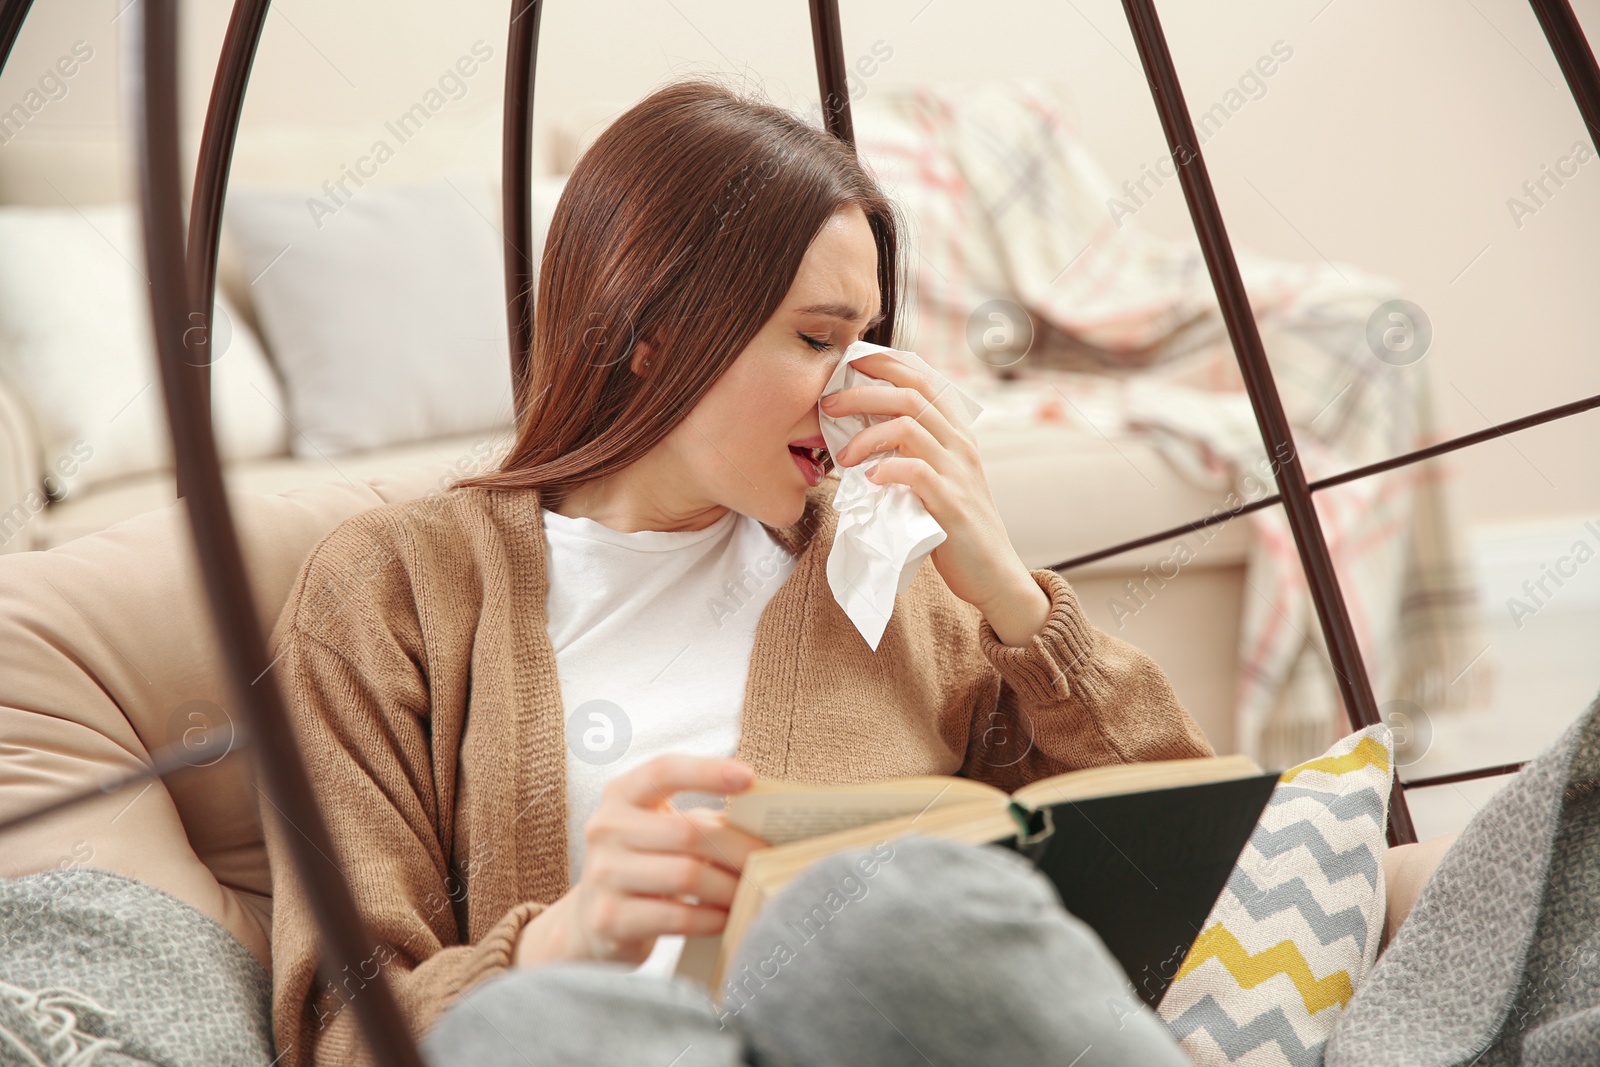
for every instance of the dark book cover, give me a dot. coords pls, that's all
(1144, 869)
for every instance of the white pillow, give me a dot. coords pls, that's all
(385, 309)
(75, 345)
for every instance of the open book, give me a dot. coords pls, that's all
(1139, 851)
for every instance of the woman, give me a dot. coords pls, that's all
(501, 689)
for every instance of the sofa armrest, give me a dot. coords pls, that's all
(19, 474)
(1406, 870)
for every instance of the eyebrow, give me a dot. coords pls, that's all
(838, 311)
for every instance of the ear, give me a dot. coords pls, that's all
(643, 350)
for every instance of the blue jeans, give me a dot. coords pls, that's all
(918, 950)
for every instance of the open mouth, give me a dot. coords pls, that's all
(814, 462)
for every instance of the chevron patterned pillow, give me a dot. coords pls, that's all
(1296, 929)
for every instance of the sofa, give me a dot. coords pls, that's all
(1127, 411)
(51, 495)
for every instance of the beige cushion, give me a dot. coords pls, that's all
(107, 654)
(1189, 627)
(85, 513)
(22, 499)
(1406, 869)
(1063, 492)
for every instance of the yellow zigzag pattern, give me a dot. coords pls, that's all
(1250, 971)
(1367, 752)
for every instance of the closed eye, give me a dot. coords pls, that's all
(816, 343)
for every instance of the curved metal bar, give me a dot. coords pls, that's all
(1348, 667)
(13, 13)
(152, 70)
(827, 42)
(1216, 518)
(1477, 437)
(1466, 776)
(516, 189)
(1573, 55)
(211, 172)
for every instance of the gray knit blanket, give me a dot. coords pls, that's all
(100, 970)
(1499, 962)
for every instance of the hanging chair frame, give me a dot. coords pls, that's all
(182, 267)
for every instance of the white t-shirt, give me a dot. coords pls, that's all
(652, 634)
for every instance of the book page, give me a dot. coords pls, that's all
(1134, 778)
(779, 812)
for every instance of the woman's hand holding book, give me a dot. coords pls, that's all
(642, 858)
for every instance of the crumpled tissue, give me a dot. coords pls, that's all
(884, 532)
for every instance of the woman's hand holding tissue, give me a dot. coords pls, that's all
(938, 460)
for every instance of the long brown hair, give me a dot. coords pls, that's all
(683, 224)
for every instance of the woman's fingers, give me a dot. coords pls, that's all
(629, 920)
(665, 875)
(702, 834)
(927, 398)
(913, 405)
(654, 781)
(910, 438)
(641, 855)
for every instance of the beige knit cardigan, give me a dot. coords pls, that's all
(418, 671)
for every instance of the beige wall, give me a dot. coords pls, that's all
(1391, 138)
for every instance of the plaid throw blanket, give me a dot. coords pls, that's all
(1006, 203)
